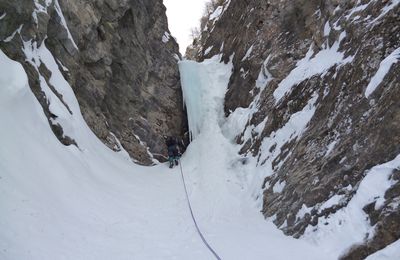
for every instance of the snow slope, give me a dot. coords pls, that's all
(59, 202)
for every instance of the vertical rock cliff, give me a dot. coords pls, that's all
(318, 83)
(119, 58)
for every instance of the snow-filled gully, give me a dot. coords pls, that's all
(59, 202)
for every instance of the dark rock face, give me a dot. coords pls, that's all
(349, 132)
(121, 63)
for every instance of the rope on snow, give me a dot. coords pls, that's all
(194, 219)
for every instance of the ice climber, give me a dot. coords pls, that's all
(173, 150)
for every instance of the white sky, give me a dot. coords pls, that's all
(182, 16)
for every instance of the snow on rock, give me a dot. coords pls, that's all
(303, 211)
(94, 28)
(278, 187)
(330, 147)
(264, 77)
(40, 8)
(312, 64)
(119, 148)
(358, 8)
(390, 252)
(349, 225)
(334, 200)
(248, 53)
(207, 51)
(294, 128)
(11, 37)
(64, 23)
(327, 29)
(66, 115)
(238, 119)
(166, 37)
(383, 69)
(151, 156)
(217, 13)
(385, 10)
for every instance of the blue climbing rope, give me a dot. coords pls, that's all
(194, 219)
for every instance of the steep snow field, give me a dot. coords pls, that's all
(59, 202)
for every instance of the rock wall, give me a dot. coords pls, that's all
(120, 60)
(329, 68)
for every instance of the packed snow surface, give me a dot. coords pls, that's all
(65, 202)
